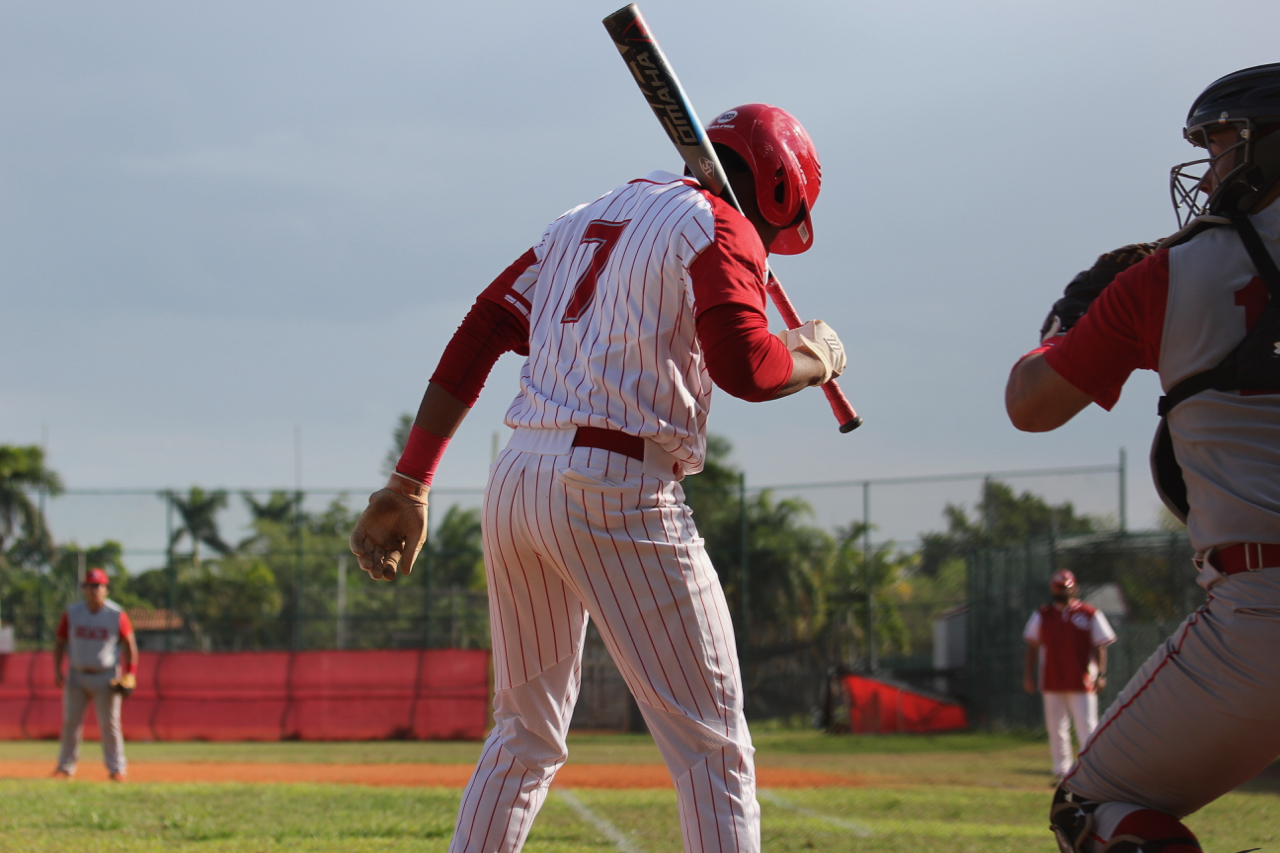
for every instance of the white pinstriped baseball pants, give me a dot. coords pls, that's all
(588, 532)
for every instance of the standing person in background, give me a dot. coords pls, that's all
(100, 638)
(1068, 641)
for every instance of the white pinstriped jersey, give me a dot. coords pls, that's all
(612, 339)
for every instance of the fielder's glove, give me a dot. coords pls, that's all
(819, 340)
(124, 684)
(1086, 286)
(392, 529)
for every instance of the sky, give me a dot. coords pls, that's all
(235, 236)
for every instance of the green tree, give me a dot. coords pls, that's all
(198, 511)
(24, 535)
(454, 554)
(1002, 517)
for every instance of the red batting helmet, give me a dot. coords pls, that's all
(785, 166)
(1062, 581)
(95, 576)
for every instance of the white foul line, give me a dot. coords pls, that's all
(606, 829)
(857, 829)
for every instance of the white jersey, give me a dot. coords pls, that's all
(93, 639)
(629, 358)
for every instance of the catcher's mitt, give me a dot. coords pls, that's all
(1086, 286)
(124, 685)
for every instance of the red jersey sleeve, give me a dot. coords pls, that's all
(1120, 333)
(498, 322)
(743, 356)
(126, 627)
(64, 629)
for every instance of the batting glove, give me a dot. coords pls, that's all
(1086, 286)
(392, 529)
(819, 340)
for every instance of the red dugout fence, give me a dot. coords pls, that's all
(422, 694)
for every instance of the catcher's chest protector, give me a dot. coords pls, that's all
(1254, 364)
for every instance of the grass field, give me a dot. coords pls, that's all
(968, 792)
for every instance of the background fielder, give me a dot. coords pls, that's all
(1067, 644)
(97, 637)
(1199, 718)
(627, 309)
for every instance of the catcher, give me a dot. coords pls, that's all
(100, 638)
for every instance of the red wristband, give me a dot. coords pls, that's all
(421, 455)
(130, 668)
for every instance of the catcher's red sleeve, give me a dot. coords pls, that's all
(126, 627)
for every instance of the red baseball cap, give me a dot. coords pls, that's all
(1062, 581)
(95, 576)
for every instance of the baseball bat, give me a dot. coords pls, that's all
(666, 97)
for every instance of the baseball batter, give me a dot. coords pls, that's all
(628, 309)
(1067, 643)
(99, 638)
(1199, 718)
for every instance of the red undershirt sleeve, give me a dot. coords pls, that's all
(126, 627)
(494, 325)
(743, 357)
(1120, 333)
(64, 630)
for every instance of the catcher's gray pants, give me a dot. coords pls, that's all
(1200, 717)
(80, 688)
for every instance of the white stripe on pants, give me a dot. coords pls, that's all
(587, 533)
(1060, 711)
(80, 688)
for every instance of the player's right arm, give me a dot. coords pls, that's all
(1119, 333)
(393, 528)
(1029, 660)
(743, 357)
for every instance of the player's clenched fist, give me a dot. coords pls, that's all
(819, 340)
(392, 529)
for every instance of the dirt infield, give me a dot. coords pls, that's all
(409, 775)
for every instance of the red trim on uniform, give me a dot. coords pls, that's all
(1113, 716)
(64, 630)
(126, 627)
(422, 454)
(1119, 334)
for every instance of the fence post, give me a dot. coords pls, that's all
(297, 571)
(873, 658)
(1124, 502)
(171, 570)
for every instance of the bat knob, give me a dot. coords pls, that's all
(850, 426)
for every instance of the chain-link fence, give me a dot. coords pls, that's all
(1145, 579)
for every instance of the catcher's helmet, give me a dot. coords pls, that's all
(1249, 101)
(1062, 581)
(785, 166)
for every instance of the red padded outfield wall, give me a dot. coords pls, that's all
(422, 694)
(880, 707)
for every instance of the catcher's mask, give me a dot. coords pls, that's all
(1247, 101)
(784, 164)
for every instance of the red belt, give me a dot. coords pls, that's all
(610, 439)
(1245, 557)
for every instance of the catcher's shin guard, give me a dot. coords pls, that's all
(1071, 819)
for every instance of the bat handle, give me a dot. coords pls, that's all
(848, 419)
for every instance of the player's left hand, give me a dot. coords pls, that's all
(392, 529)
(1086, 286)
(124, 684)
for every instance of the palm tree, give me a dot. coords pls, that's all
(22, 469)
(198, 511)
